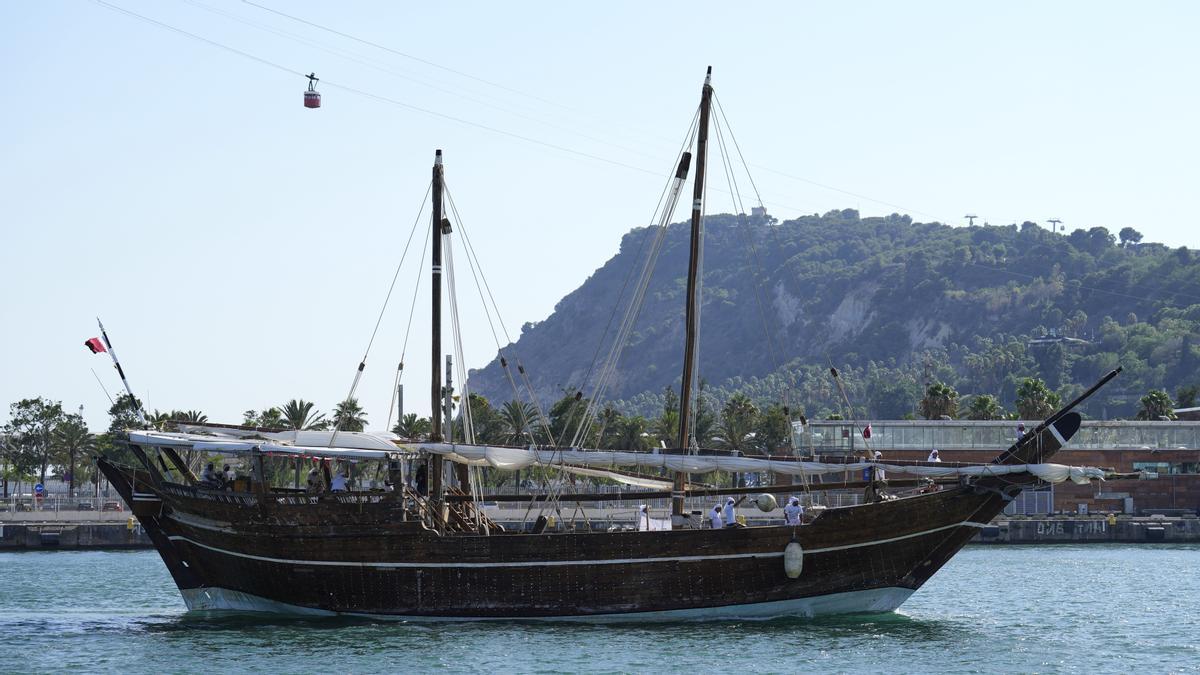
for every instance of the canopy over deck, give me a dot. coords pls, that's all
(600, 463)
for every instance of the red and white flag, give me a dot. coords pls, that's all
(95, 345)
(867, 431)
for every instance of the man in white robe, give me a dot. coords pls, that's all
(714, 517)
(793, 513)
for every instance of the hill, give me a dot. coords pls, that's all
(891, 303)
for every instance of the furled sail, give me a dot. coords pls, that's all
(519, 458)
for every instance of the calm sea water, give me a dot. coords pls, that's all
(1029, 609)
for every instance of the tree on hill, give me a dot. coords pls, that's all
(941, 400)
(1185, 397)
(985, 407)
(1155, 406)
(1035, 401)
(1129, 237)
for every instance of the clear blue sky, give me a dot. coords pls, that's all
(238, 246)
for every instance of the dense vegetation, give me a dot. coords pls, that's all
(894, 304)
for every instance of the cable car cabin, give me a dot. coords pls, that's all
(312, 97)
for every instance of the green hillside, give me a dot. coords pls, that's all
(892, 304)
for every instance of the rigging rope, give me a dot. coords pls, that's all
(362, 364)
(481, 285)
(633, 310)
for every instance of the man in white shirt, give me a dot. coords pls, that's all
(338, 484)
(209, 477)
(933, 456)
(714, 517)
(730, 515)
(793, 513)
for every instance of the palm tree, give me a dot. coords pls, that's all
(412, 428)
(516, 421)
(301, 415)
(72, 438)
(349, 416)
(735, 431)
(985, 407)
(1156, 405)
(631, 434)
(665, 428)
(271, 418)
(1035, 401)
(194, 416)
(159, 419)
(941, 400)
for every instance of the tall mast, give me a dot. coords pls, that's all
(436, 463)
(691, 316)
(435, 391)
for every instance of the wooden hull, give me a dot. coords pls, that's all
(247, 553)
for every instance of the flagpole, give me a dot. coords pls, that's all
(113, 353)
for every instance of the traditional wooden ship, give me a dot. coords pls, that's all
(428, 551)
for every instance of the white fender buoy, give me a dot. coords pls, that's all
(766, 503)
(793, 559)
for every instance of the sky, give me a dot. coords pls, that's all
(239, 247)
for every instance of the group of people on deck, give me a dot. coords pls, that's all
(315, 483)
(722, 516)
(217, 480)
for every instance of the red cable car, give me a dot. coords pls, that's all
(312, 97)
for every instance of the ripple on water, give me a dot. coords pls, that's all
(1057, 609)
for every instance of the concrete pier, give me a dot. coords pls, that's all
(71, 535)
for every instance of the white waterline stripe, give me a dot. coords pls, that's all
(558, 563)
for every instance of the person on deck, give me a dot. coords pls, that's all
(730, 514)
(338, 484)
(880, 474)
(209, 477)
(421, 480)
(714, 517)
(793, 513)
(933, 456)
(1020, 432)
(228, 476)
(315, 484)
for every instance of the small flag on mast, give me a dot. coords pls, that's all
(866, 432)
(95, 345)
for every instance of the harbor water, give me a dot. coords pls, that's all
(1095, 608)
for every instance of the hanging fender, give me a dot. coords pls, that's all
(793, 559)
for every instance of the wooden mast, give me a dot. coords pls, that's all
(435, 388)
(691, 318)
